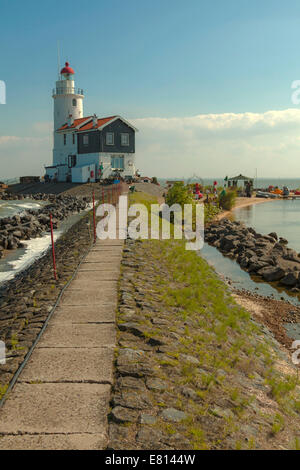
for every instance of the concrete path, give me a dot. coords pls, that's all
(62, 396)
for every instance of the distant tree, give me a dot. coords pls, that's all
(179, 194)
(154, 180)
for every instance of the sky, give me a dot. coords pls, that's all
(208, 84)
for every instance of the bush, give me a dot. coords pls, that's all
(227, 199)
(179, 194)
(154, 180)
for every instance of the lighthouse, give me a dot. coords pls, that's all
(87, 149)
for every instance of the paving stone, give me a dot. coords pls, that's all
(69, 365)
(105, 294)
(91, 314)
(58, 335)
(54, 442)
(55, 408)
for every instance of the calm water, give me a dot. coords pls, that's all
(281, 216)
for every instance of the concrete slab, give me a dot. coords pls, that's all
(59, 335)
(78, 335)
(108, 249)
(55, 408)
(109, 242)
(54, 442)
(94, 285)
(69, 365)
(104, 275)
(102, 257)
(97, 296)
(91, 314)
(97, 267)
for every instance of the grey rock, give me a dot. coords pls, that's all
(156, 384)
(273, 273)
(171, 414)
(120, 414)
(147, 419)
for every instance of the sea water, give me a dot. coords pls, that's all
(281, 216)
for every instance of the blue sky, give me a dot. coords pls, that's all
(159, 59)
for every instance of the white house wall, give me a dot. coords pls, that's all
(61, 151)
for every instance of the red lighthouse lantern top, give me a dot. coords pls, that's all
(67, 69)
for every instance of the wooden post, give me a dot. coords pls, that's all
(102, 195)
(94, 217)
(53, 249)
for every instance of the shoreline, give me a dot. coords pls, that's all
(240, 203)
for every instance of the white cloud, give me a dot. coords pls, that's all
(220, 144)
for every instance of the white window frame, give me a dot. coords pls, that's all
(113, 138)
(118, 158)
(85, 139)
(125, 134)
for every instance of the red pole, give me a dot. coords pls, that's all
(102, 195)
(53, 249)
(112, 194)
(94, 217)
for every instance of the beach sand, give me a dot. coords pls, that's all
(244, 202)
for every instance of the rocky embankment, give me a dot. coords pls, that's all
(26, 300)
(192, 369)
(33, 223)
(266, 256)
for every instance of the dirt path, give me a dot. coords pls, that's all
(62, 396)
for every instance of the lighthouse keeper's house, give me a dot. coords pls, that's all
(87, 149)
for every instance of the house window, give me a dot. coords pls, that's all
(85, 140)
(109, 138)
(125, 139)
(65, 139)
(73, 137)
(117, 163)
(74, 102)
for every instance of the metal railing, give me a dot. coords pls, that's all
(67, 90)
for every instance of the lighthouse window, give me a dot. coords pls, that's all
(109, 138)
(73, 137)
(74, 102)
(65, 139)
(124, 139)
(85, 140)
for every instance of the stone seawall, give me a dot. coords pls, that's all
(25, 301)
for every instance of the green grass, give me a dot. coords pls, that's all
(3, 389)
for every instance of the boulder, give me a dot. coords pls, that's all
(289, 280)
(272, 273)
(273, 235)
(256, 265)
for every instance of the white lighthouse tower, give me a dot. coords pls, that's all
(68, 105)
